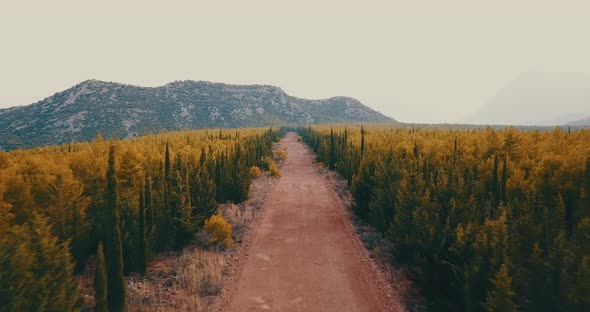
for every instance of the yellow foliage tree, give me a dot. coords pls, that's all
(255, 172)
(281, 153)
(219, 232)
(272, 167)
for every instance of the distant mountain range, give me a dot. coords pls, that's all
(582, 122)
(540, 99)
(126, 111)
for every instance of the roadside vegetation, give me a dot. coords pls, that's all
(127, 202)
(492, 220)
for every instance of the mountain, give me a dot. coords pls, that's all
(580, 122)
(538, 98)
(126, 111)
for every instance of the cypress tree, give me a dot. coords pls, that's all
(361, 189)
(177, 190)
(36, 269)
(167, 178)
(203, 156)
(142, 263)
(362, 141)
(455, 151)
(100, 282)
(167, 160)
(113, 251)
(500, 297)
(495, 191)
(584, 206)
(332, 155)
(203, 193)
(240, 177)
(379, 201)
(503, 196)
(219, 178)
(149, 211)
(166, 228)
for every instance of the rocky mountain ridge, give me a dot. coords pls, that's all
(126, 111)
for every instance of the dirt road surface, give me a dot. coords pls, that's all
(302, 255)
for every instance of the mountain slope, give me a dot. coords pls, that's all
(125, 111)
(537, 98)
(580, 122)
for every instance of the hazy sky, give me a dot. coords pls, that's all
(420, 61)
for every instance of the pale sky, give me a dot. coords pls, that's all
(416, 61)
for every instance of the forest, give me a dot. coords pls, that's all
(118, 202)
(482, 220)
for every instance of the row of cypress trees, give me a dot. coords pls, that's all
(121, 200)
(481, 219)
(189, 195)
(109, 283)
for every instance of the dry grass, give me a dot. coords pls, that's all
(175, 281)
(239, 216)
(185, 282)
(201, 272)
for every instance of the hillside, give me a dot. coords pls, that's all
(538, 98)
(126, 111)
(580, 122)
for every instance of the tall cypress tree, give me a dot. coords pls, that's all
(167, 179)
(503, 195)
(240, 177)
(113, 251)
(332, 152)
(166, 224)
(142, 263)
(495, 185)
(500, 296)
(362, 140)
(149, 211)
(202, 157)
(584, 205)
(203, 193)
(100, 282)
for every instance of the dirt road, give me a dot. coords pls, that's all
(302, 256)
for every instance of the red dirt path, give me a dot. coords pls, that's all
(303, 254)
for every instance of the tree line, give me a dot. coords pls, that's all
(483, 220)
(122, 201)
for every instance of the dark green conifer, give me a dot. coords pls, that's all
(503, 195)
(113, 252)
(495, 185)
(100, 282)
(141, 257)
(149, 211)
